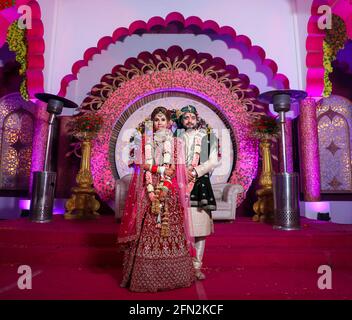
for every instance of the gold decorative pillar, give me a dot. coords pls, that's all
(82, 203)
(264, 206)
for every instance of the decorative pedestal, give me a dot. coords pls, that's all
(264, 206)
(82, 203)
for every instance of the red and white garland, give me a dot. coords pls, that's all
(164, 138)
(196, 155)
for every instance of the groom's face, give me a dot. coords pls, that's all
(189, 120)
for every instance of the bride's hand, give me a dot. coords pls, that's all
(152, 196)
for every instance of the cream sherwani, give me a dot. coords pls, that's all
(202, 223)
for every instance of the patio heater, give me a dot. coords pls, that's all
(285, 184)
(43, 188)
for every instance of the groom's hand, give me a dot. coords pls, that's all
(191, 177)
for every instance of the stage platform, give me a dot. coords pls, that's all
(243, 260)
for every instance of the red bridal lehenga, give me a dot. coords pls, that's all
(151, 261)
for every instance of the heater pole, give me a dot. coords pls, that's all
(285, 185)
(283, 138)
(43, 189)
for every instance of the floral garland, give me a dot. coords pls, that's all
(159, 137)
(196, 155)
(335, 39)
(16, 38)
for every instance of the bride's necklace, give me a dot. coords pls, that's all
(162, 140)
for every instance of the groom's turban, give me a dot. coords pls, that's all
(189, 109)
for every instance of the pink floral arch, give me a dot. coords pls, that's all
(315, 38)
(232, 95)
(176, 23)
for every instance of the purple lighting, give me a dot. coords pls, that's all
(59, 208)
(58, 211)
(25, 204)
(311, 209)
(322, 206)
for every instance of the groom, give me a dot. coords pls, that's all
(201, 153)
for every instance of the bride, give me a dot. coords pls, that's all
(154, 228)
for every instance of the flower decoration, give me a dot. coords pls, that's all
(16, 38)
(265, 127)
(335, 39)
(176, 115)
(85, 125)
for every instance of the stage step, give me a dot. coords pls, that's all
(243, 243)
(240, 234)
(226, 257)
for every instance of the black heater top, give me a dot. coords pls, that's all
(282, 99)
(55, 103)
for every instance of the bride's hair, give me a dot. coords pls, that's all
(162, 110)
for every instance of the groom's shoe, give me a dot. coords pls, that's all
(197, 267)
(199, 274)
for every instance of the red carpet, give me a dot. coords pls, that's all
(244, 260)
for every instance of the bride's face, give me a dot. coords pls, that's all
(160, 122)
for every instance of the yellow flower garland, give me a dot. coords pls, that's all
(16, 38)
(335, 39)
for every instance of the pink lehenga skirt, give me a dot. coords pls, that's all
(154, 263)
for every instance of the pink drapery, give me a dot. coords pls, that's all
(128, 227)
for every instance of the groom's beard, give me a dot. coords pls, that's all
(190, 126)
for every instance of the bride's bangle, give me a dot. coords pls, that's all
(167, 184)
